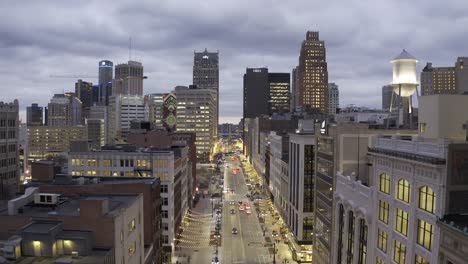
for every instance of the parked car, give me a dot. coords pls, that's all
(235, 231)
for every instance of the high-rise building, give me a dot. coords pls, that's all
(9, 155)
(294, 88)
(333, 98)
(445, 80)
(206, 73)
(196, 113)
(128, 79)
(45, 140)
(387, 91)
(34, 115)
(64, 110)
(106, 72)
(122, 110)
(313, 74)
(163, 111)
(85, 92)
(279, 95)
(256, 92)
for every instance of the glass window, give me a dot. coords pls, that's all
(383, 211)
(164, 188)
(164, 214)
(420, 260)
(399, 252)
(382, 240)
(425, 234)
(132, 249)
(350, 251)
(340, 233)
(403, 191)
(378, 260)
(427, 199)
(384, 183)
(362, 242)
(401, 221)
(131, 226)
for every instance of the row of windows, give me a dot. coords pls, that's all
(11, 148)
(163, 163)
(7, 162)
(427, 197)
(11, 134)
(10, 122)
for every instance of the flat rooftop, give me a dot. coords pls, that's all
(456, 221)
(65, 179)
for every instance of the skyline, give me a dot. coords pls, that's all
(359, 37)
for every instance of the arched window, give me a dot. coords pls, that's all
(384, 183)
(427, 199)
(340, 233)
(403, 191)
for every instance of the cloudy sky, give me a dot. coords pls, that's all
(40, 38)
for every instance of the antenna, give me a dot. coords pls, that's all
(130, 48)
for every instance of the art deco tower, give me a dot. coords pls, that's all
(313, 74)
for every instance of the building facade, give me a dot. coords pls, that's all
(279, 172)
(294, 88)
(64, 110)
(128, 79)
(196, 113)
(34, 115)
(279, 92)
(106, 73)
(121, 111)
(9, 155)
(453, 239)
(44, 140)
(313, 74)
(387, 96)
(163, 111)
(445, 80)
(333, 98)
(256, 92)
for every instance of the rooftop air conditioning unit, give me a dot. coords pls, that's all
(46, 198)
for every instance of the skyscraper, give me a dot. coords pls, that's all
(128, 79)
(206, 74)
(279, 96)
(122, 110)
(313, 74)
(387, 91)
(34, 115)
(163, 111)
(9, 155)
(333, 98)
(64, 110)
(445, 80)
(256, 92)
(294, 88)
(84, 91)
(106, 71)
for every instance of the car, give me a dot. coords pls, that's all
(233, 211)
(232, 202)
(241, 208)
(234, 231)
(248, 211)
(215, 261)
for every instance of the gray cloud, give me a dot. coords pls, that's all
(40, 38)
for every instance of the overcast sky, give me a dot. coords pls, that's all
(41, 38)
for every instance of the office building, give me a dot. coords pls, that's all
(148, 186)
(453, 238)
(387, 96)
(101, 228)
(106, 72)
(121, 111)
(64, 110)
(445, 80)
(279, 94)
(9, 156)
(279, 171)
(45, 140)
(206, 73)
(196, 113)
(256, 92)
(171, 166)
(294, 88)
(84, 92)
(333, 98)
(128, 79)
(313, 74)
(34, 115)
(96, 132)
(163, 111)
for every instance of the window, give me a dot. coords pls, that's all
(132, 249)
(401, 221)
(427, 199)
(383, 211)
(362, 242)
(131, 226)
(384, 183)
(165, 201)
(420, 260)
(378, 260)
(340, 233)
(163, 188)
(164, 213)
(425, 234)
(165, 239)
(165, 226)
(382, 240)
(350, 250)
(403, 191)
(121, 236)
(399, 252)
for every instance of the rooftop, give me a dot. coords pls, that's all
(404, 55)
(458, 222)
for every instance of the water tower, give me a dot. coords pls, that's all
(404, 83)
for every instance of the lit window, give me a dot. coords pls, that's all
(399, 252)
(131, 226)
(378, 260)
(382, 241)
(132, 249)
(420, 260)
(401, 222)
(403, 191)
(383, 211)
(384, 183)
(425, 234)
(427, 199)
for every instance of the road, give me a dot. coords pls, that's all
(246, 246)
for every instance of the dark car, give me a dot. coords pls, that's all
(233, 211)
(235, 231)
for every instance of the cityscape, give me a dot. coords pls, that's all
(264, 133)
